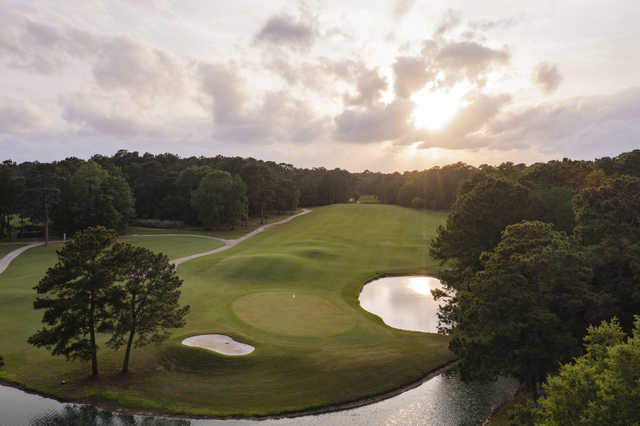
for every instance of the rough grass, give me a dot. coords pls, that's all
(323, 350)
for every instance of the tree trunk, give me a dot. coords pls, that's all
(127, 354)
(125, 365)
(46, 228)
(92, 332)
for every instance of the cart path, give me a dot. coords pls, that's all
(5, 261)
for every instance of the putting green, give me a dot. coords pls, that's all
(292, 314)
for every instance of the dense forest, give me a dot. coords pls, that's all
(73, 194)
(533, 259)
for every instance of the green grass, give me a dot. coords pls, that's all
(316, 349)
(368, 199)
(8, 248)
(175, 247)
(238, 232)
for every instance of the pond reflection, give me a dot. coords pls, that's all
(443, 400)
(403, 302)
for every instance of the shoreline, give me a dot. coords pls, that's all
(343, 406)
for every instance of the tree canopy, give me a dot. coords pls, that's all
(525, 309)
(601, 387)
(148, 292)
(76, 294)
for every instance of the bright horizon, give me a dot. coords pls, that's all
(396, 86)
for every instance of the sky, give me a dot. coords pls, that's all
(383, 85)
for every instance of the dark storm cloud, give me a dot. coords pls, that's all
(547, 76)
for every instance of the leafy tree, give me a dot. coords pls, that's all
(484, 207)
(41, 194)
(601, 387)
(11, 190)
(525, 310)
(608, 224)
(220, 199)
(75, 294)
(147, 302)
(1, 361)
(98, 198)
(188, 180)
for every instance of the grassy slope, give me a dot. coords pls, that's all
(252, 224)
(7, 248)
(175, 247)
(326, 350)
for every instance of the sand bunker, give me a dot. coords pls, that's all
(219, 343)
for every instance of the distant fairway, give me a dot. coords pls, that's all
(291, 292)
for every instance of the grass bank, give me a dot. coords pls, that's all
(291, 292)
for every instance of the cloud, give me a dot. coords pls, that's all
(17, 116)
(277, 117)
(467, 127)
(451, 20)
(492, 24)
(580, 126)
(370, 85)
(285, 30)
(411, 75)
(375, 124)
(99, 113)
(547, 76)
(40, 47)
(122, 63)
(402, 7)
(139, 69)
(468, 59)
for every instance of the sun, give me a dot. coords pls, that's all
(435, 108)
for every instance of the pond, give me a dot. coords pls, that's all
(402, 302)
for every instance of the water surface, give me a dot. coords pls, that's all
(403, 302)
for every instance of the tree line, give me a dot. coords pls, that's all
(110, 191)
(534, 256)
(73, 194)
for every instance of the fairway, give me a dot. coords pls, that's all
(175, 247)
(291, 292)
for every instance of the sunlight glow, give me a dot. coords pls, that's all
(420, 285)
(434, 108)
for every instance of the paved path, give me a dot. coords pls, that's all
(5, 261)
(231, 243)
